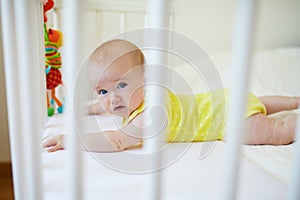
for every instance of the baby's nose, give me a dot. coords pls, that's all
(115, 99)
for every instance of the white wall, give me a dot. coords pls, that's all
(211, 23)
(278, 23)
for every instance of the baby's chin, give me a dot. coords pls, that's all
(121, 112)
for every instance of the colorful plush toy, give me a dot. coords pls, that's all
(53, 41)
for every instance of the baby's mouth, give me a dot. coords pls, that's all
(119, 108)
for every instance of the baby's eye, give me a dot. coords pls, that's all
(121, 85)
(102, 92)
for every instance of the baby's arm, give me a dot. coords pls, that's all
(95, 109)
(106, 141)
(109, 141)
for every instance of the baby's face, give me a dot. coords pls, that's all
(120, 87)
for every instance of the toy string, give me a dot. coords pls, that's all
(46, 33)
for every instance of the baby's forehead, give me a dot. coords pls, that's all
(110, 73)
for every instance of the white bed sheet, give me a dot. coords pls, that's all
(189, 177)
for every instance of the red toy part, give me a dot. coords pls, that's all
(53, 78)
(48, 6)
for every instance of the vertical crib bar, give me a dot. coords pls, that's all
(240, 68)
(155, 75)
(29, 26)
(13, 96)
(293, 191)
(72, 29)
(123, 22)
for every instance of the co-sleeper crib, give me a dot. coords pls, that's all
(83, 176)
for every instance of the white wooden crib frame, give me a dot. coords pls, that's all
(23, 50)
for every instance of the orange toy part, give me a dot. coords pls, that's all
(47, 6)
(55, 36)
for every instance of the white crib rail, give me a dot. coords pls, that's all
(73, 29)
(242, 48)
(13, 96)
(293, 191)
(154, 76)
(24, 68)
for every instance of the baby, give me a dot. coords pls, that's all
(116, 70)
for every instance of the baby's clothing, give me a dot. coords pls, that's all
(199, 117)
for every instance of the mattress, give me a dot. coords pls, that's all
(191, 171)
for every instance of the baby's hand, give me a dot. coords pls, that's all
(53, 143)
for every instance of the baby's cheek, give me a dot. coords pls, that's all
(136, 98)
(105, 105)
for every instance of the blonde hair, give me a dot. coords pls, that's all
(111, 50)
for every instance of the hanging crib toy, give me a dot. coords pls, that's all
(53, 41)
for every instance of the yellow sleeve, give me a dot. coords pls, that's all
(254, 106)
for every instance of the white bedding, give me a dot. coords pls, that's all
(265, 169)
(189, 177)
